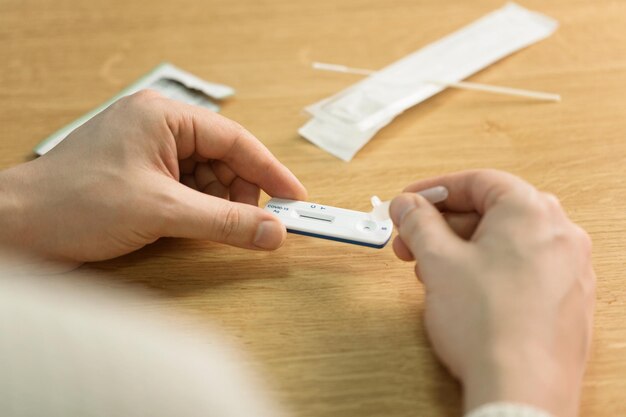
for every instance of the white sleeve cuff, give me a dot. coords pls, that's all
(502, 409)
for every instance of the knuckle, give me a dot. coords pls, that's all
(552, 206)
(574, 239)
(165, 216)
(485, 176)
(229, 227)
(488, 173)
(536, 206)
(238, 134)
(238, 128)
(145, 94)
(241, 134)
(551, 201)
(141, 99)
(491, 175)
(583, 238)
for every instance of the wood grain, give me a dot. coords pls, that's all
(337, 328)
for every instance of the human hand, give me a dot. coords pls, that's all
(509, 287)
(144, 168)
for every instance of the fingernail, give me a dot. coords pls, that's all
(401, 205)
(269, 235)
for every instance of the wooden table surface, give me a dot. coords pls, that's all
(337, 328)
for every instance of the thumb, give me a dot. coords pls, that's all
(196, 215)
(421, 227)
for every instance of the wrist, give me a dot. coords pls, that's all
(21, 234)
(13, 233)
(523, 374)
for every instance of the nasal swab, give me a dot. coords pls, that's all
(380, 210)
(341, 68)
(464, 85)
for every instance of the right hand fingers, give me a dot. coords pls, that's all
(462, 224)
(474, 190)
(422, 229)
(471, 194)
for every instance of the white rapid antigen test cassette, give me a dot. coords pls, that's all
(357, 227)
(333, 223)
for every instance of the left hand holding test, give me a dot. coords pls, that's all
(144, 168)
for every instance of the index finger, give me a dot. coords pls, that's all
(213, 136)
(474, 190)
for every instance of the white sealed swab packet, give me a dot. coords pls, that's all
(344, 123)
(168, 80)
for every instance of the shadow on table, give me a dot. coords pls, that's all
(175, 267)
